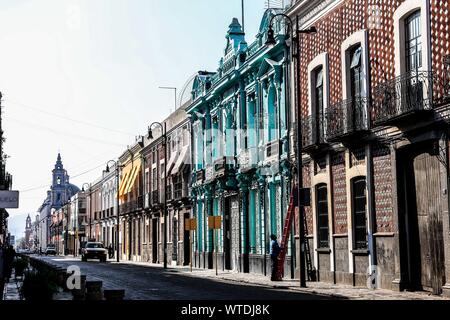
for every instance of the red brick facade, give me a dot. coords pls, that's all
(383, 185)
(336, 22)
(339, 193)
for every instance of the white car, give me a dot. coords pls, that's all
(94, 250)
(50, 250)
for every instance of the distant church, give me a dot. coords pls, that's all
(28, 232)
(60, 192)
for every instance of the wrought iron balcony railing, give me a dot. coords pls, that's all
(130, 206)
(313, 131)
(409, 93)
(347, 117)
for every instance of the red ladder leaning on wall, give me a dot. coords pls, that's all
(286, 233)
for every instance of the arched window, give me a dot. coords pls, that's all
(359, 204)
(318, 106)
(322, 216)
(356, 72)
(413, 42)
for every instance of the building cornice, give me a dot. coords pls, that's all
(309, 11)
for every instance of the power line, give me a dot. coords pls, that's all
(75, 176)
(65, 133)
(68, 118)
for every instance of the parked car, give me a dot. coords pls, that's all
(51, 250)
(94, 250)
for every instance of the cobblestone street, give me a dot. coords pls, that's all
(144, 281)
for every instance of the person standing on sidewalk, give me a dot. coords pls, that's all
(110, 251)
(274, 252)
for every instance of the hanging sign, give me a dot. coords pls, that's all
(9, 199)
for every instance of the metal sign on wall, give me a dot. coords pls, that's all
(214, 222)
(9, 199)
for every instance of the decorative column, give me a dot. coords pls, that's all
(262, 219)
(208, 213)
(245, 241)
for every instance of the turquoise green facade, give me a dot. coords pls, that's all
(240, 150)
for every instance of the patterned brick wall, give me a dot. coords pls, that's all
(383, 189)
(440, 43)
(353, 15)
(339, 193)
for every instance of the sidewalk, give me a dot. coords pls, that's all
(12, 288)
(319, 288)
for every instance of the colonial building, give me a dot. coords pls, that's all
(109, 207)
(77, 223)
(94, 210)
(59, 194)
(131, 202)
(375, 113)
(241, 172)
(177, 168)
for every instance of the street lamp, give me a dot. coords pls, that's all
(90, 207)
(171, 88)
(164, 142)
(117, 166)
(295, 41)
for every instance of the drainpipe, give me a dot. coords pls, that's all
(371, 223)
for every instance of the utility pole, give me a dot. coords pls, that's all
(243, 15)
(2, 171)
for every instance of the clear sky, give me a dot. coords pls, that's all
(81, 77)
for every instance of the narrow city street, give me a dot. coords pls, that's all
(147, 282)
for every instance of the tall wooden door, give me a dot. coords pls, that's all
(186, 243)
(227, 233)
(154, 240)
(424, 220)
(235, 232)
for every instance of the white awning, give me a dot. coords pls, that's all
(181, 159)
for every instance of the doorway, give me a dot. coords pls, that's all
(227, 233)
(155, 240)
(420, 217)
(186, 243)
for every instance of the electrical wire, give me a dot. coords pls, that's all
(67, 118)
(75, 176)
(65, 133)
